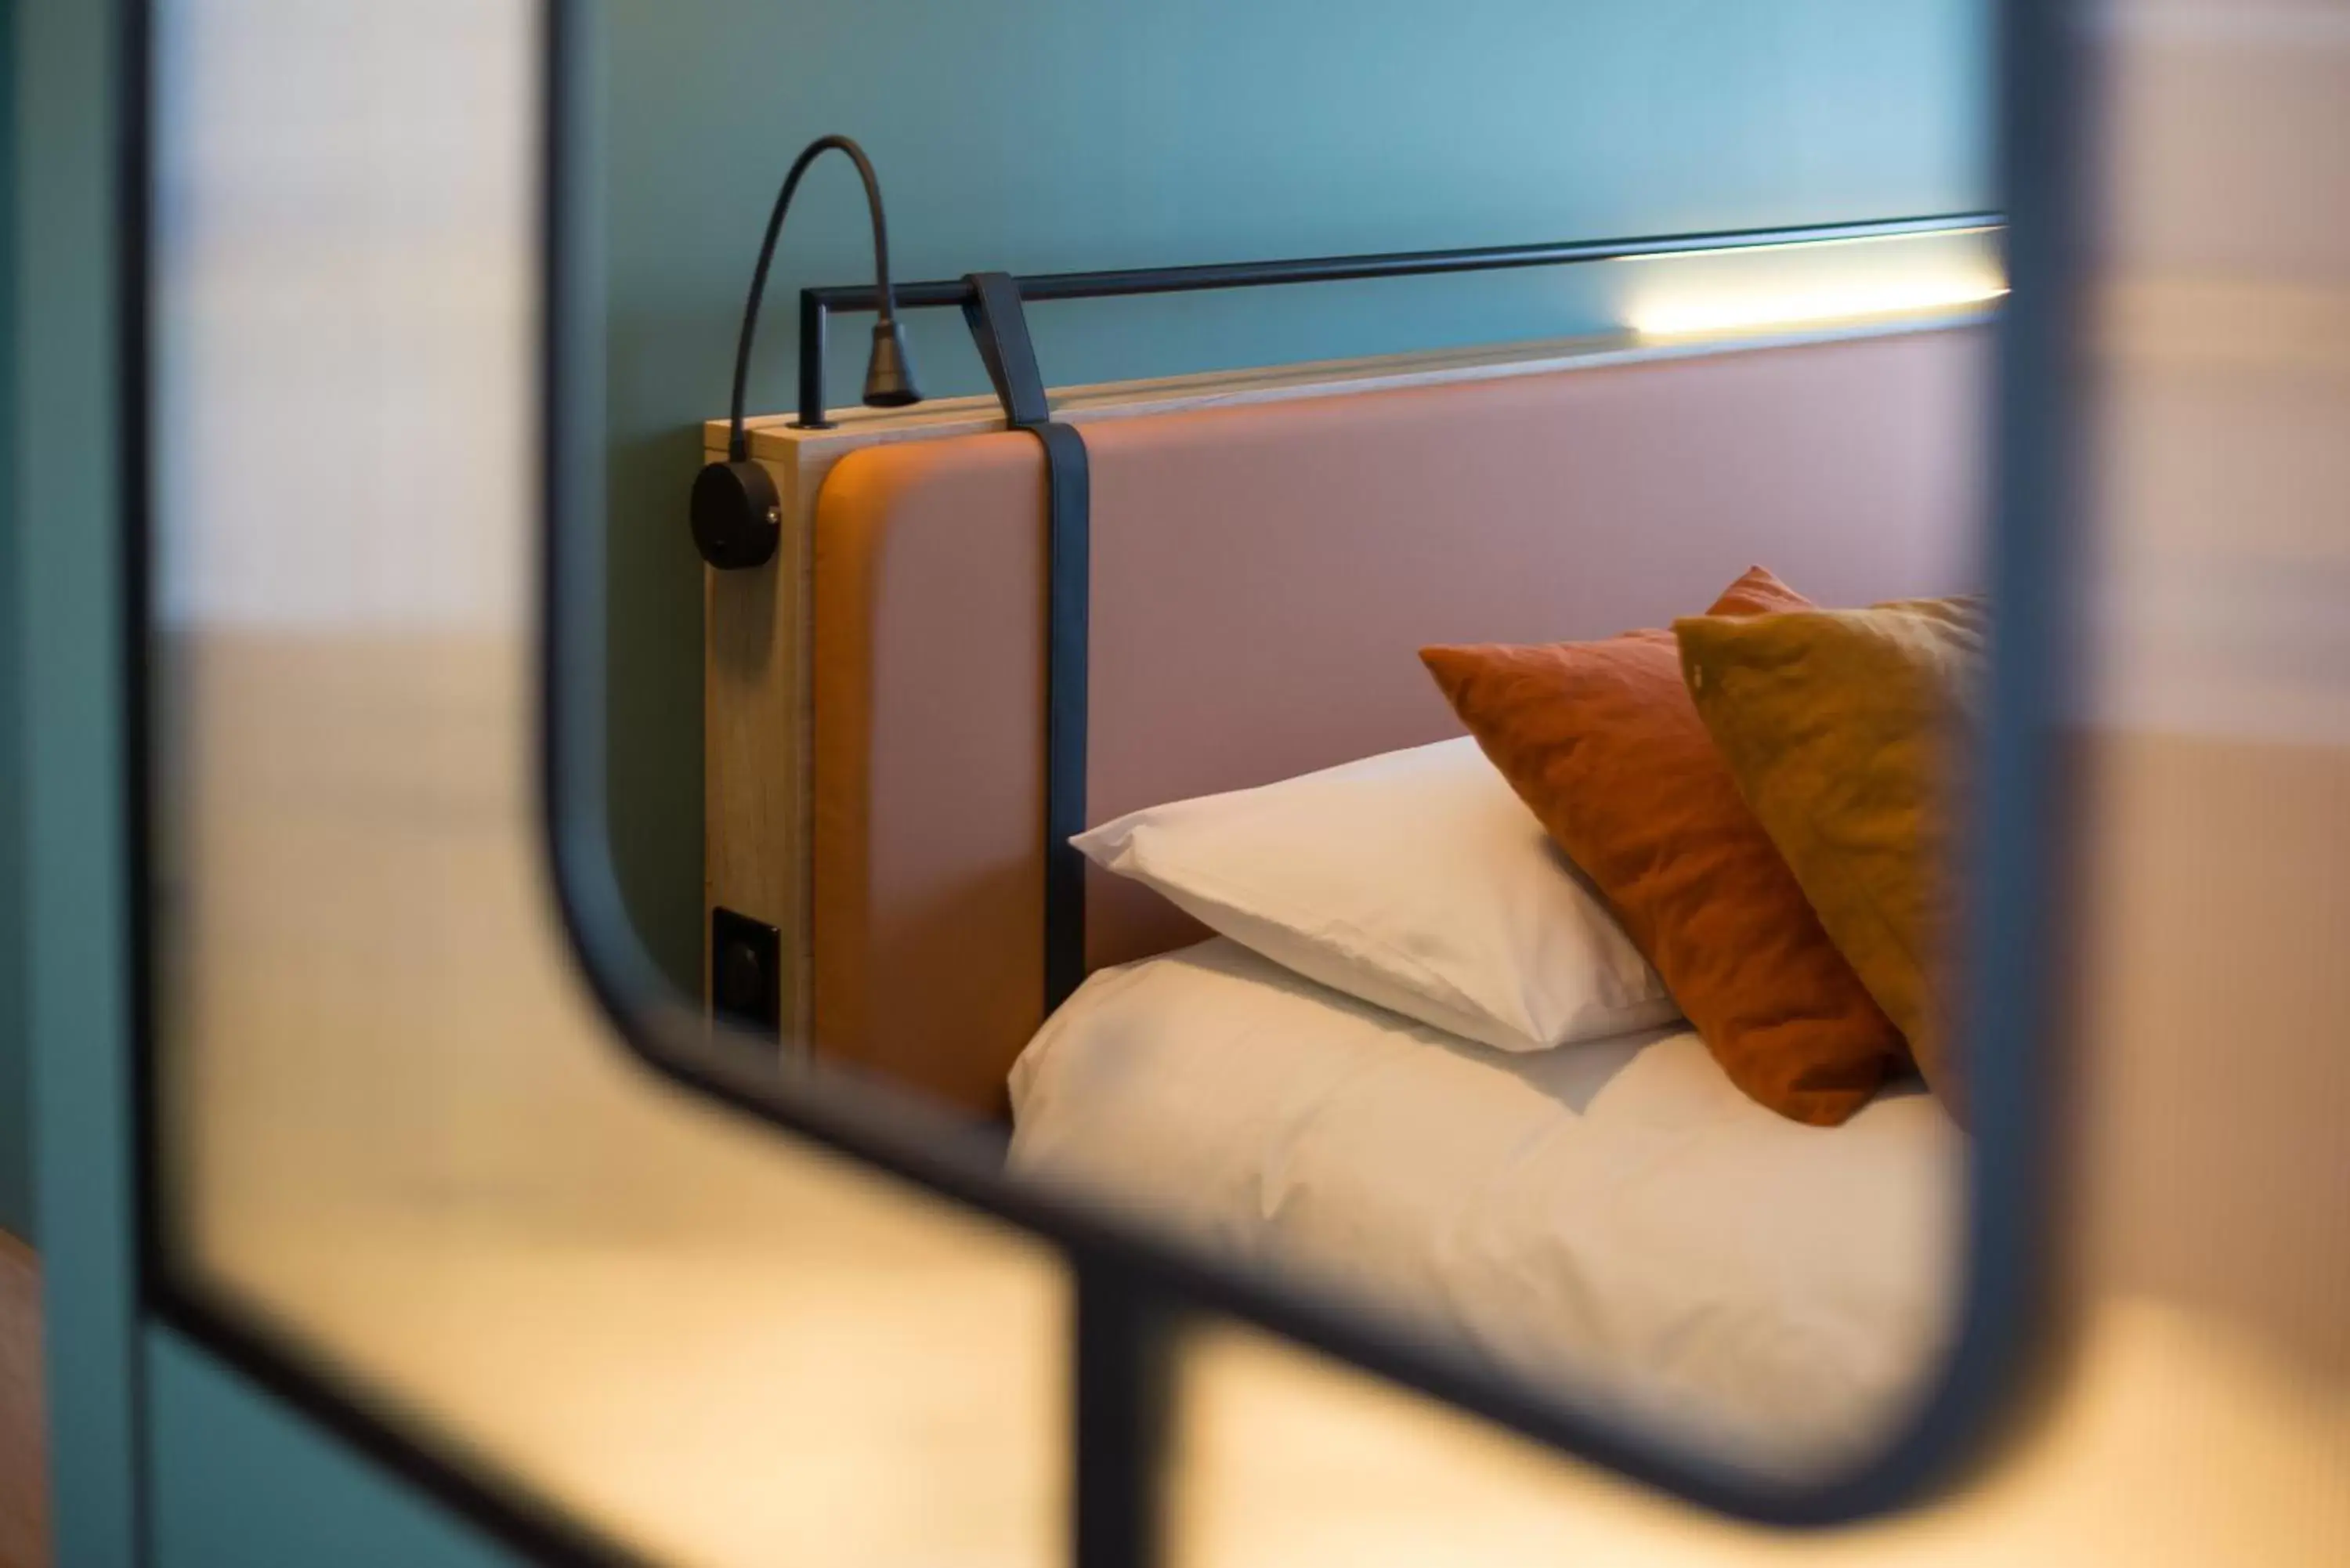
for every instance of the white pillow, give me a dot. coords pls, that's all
(1416, 881)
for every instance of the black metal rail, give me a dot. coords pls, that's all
(818, 305)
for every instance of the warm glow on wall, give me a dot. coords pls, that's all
(1723, 307)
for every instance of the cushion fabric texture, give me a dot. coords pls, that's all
(1414, 881)
(1602, 741)
(1839, 727)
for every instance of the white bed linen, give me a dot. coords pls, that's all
(1614, 1214)
(1417, 880)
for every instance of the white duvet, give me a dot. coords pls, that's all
(1613, 1214)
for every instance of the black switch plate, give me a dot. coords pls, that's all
(745, 972)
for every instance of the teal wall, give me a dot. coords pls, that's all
(67, 618)
(16, 1076)
(1052, 134)
(235, 1478)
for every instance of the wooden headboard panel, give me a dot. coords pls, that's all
(1262, 577)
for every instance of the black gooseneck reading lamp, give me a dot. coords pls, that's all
(737, 516)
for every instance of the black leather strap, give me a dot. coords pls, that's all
(1000, 327)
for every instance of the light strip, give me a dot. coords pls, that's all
(1679, 316)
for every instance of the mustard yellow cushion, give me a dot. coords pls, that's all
(1842, 729)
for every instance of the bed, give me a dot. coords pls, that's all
(1610, 1217)
(1611, 1213)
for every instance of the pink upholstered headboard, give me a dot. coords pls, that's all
(1262, 577)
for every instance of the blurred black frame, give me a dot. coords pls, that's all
(1133, 1293)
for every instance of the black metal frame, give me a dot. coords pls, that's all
(1132, 1288)
(818, 305)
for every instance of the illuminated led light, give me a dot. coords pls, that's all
(1725, 310)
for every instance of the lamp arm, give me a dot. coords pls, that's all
(737, 447)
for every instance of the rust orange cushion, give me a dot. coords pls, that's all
(1601, 740)
(1839, 726)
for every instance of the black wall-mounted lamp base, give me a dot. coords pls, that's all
(737, 516)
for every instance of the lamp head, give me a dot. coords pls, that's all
(889, 374)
